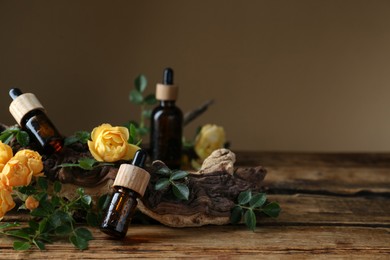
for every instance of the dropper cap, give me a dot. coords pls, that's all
(22, 104)
(132, 176)
(167, 91)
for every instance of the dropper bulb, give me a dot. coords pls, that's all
(139, 158)
(15, 92)
(168, 76)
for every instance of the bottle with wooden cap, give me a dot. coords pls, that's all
(31, 116)
(130, 183)
(167, 124)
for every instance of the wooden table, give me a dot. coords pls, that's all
(333, 205)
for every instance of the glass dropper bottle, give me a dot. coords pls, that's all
(130, 183)
(30, 115)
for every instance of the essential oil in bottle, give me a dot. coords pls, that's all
(130, 183)
(30, 115)
(167, 124)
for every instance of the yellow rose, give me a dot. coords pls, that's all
(6, 201)
(109, 144)
(209, 139)
(31, 203)
(5, 154)
(32, 159)
(16, 173)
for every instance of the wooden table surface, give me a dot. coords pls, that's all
(333, 206)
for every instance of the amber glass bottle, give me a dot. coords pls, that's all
(167, 124)
(31, 116)
(130, 183)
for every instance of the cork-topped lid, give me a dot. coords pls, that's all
(166, 91)
(132, 176)
(22, 104)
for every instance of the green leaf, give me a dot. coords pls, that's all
(162, 184)
(78, 242)
(92, 219)
(150, 99)
(132, 134)
(39, 212)
(79, 136)
(83, 233)
(42, 183)
(63, 230)
(39, 244)
(244, 197)
(6, 136)
(147, 113)
(164, 171)
(87, 163)
(42, 225)
(272, 209)
(18, 233)
(58, 218)
(143, 130)
(57, 186)
(86, 199)
(140, 83)
(258, 200)
(236, 215)
(23, 138)
(80, 191)
(9, 225)
(180, 190)
(18, 245)
(103, 202)
(136, 97)
(177, 175)
(250, 219)
(33, 224)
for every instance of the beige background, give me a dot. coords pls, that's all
(286, 75)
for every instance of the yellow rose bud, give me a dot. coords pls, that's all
(5, 154)
(6, 201)
(109, 144)
(209, 139)
(16, 173)
(31, 203)
(32, 159)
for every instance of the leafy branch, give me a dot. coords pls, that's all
(21, 136)
(138, 97)
(173, 179)
(53, 218)
(79, 136)
(249, 204)
(85, 164)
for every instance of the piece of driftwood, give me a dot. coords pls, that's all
(213, 189)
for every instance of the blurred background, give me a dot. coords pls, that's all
(286, 75)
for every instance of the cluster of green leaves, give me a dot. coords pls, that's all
(79, 136)
(53, 218)
(249, 204)
(175, 180)
(85, 164)
(21, 136)
(138, 97)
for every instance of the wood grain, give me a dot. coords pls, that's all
(221, 241)
(333, 206)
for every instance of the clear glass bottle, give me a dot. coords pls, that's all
(167, 124)
(130, 183)
(31, 116)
